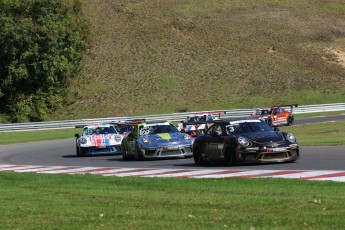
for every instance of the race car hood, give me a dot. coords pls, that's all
(167, 138)
(264, 137)
(102, 140)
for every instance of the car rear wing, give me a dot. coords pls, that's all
(291, 106)
(200, 122)
(133, 122)
(156, 121)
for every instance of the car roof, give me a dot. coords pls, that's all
(98, 125)
(228, 121)
(156, 123)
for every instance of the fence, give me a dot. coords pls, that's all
(224, 114)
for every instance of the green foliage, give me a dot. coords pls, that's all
(42, 43)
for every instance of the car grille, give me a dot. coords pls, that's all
(167, 152)
(171, 153)
(106, 150)
(269, 156)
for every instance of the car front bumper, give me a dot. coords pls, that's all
(104, 150)
(168, 152)
(269, 155)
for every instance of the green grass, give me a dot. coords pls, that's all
(306, 115)
(42, 135)
(153, 57)
(330, 133)
(42, 201)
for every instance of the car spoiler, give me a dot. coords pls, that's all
(201, 122)
(291, 106)
(156, 121)
(135, 121)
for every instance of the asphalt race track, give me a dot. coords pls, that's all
(62, 153)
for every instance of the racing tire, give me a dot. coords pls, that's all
(138, 154)
(77, 151)
(124, 153)
(82, 152)
(269, 121)
(230, 156)
(290, 120)
(197, 156)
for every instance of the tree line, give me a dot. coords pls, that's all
(42, 43)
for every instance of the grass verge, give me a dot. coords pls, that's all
(329, 133)
(31, 201)
(42, 135)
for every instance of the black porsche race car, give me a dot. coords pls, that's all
(244, 140)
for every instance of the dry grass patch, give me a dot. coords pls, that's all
(152, 57)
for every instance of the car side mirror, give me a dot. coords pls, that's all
(77, 135)
(276, 129)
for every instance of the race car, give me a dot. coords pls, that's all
(156, 140)
(275, 116)
(98, 139)
(245, 140)
(196, 124)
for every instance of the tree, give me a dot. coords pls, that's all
(42, 43)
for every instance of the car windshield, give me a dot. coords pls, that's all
(154, 129)
(126, 129)
(195, 118)
(262, 112)
(100, 130)
(248, 127)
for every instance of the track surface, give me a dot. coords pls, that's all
(62, 153)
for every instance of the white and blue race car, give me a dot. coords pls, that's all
(98, 139)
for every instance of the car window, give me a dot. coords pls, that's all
(100, 130)
(154, 129)
(217, 129)
(249, 127)
(244, 128)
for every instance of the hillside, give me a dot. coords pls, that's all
(150, 57)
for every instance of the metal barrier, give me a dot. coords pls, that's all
(224, 114)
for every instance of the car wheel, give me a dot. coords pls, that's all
(290, 120)
(124, 153)
(77, 151)
(230, 156)
(138, 154)
(82, 152)
(269, 121)
(197, 155)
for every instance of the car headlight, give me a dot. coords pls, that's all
(291, 137)
(146, 140)
(243, 141)
(187, 137)
(82, 140)
(117, 138)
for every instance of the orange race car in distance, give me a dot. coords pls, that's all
(276, 116)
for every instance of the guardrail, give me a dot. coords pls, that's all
(223, 114)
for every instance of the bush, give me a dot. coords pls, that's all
(42, 43)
